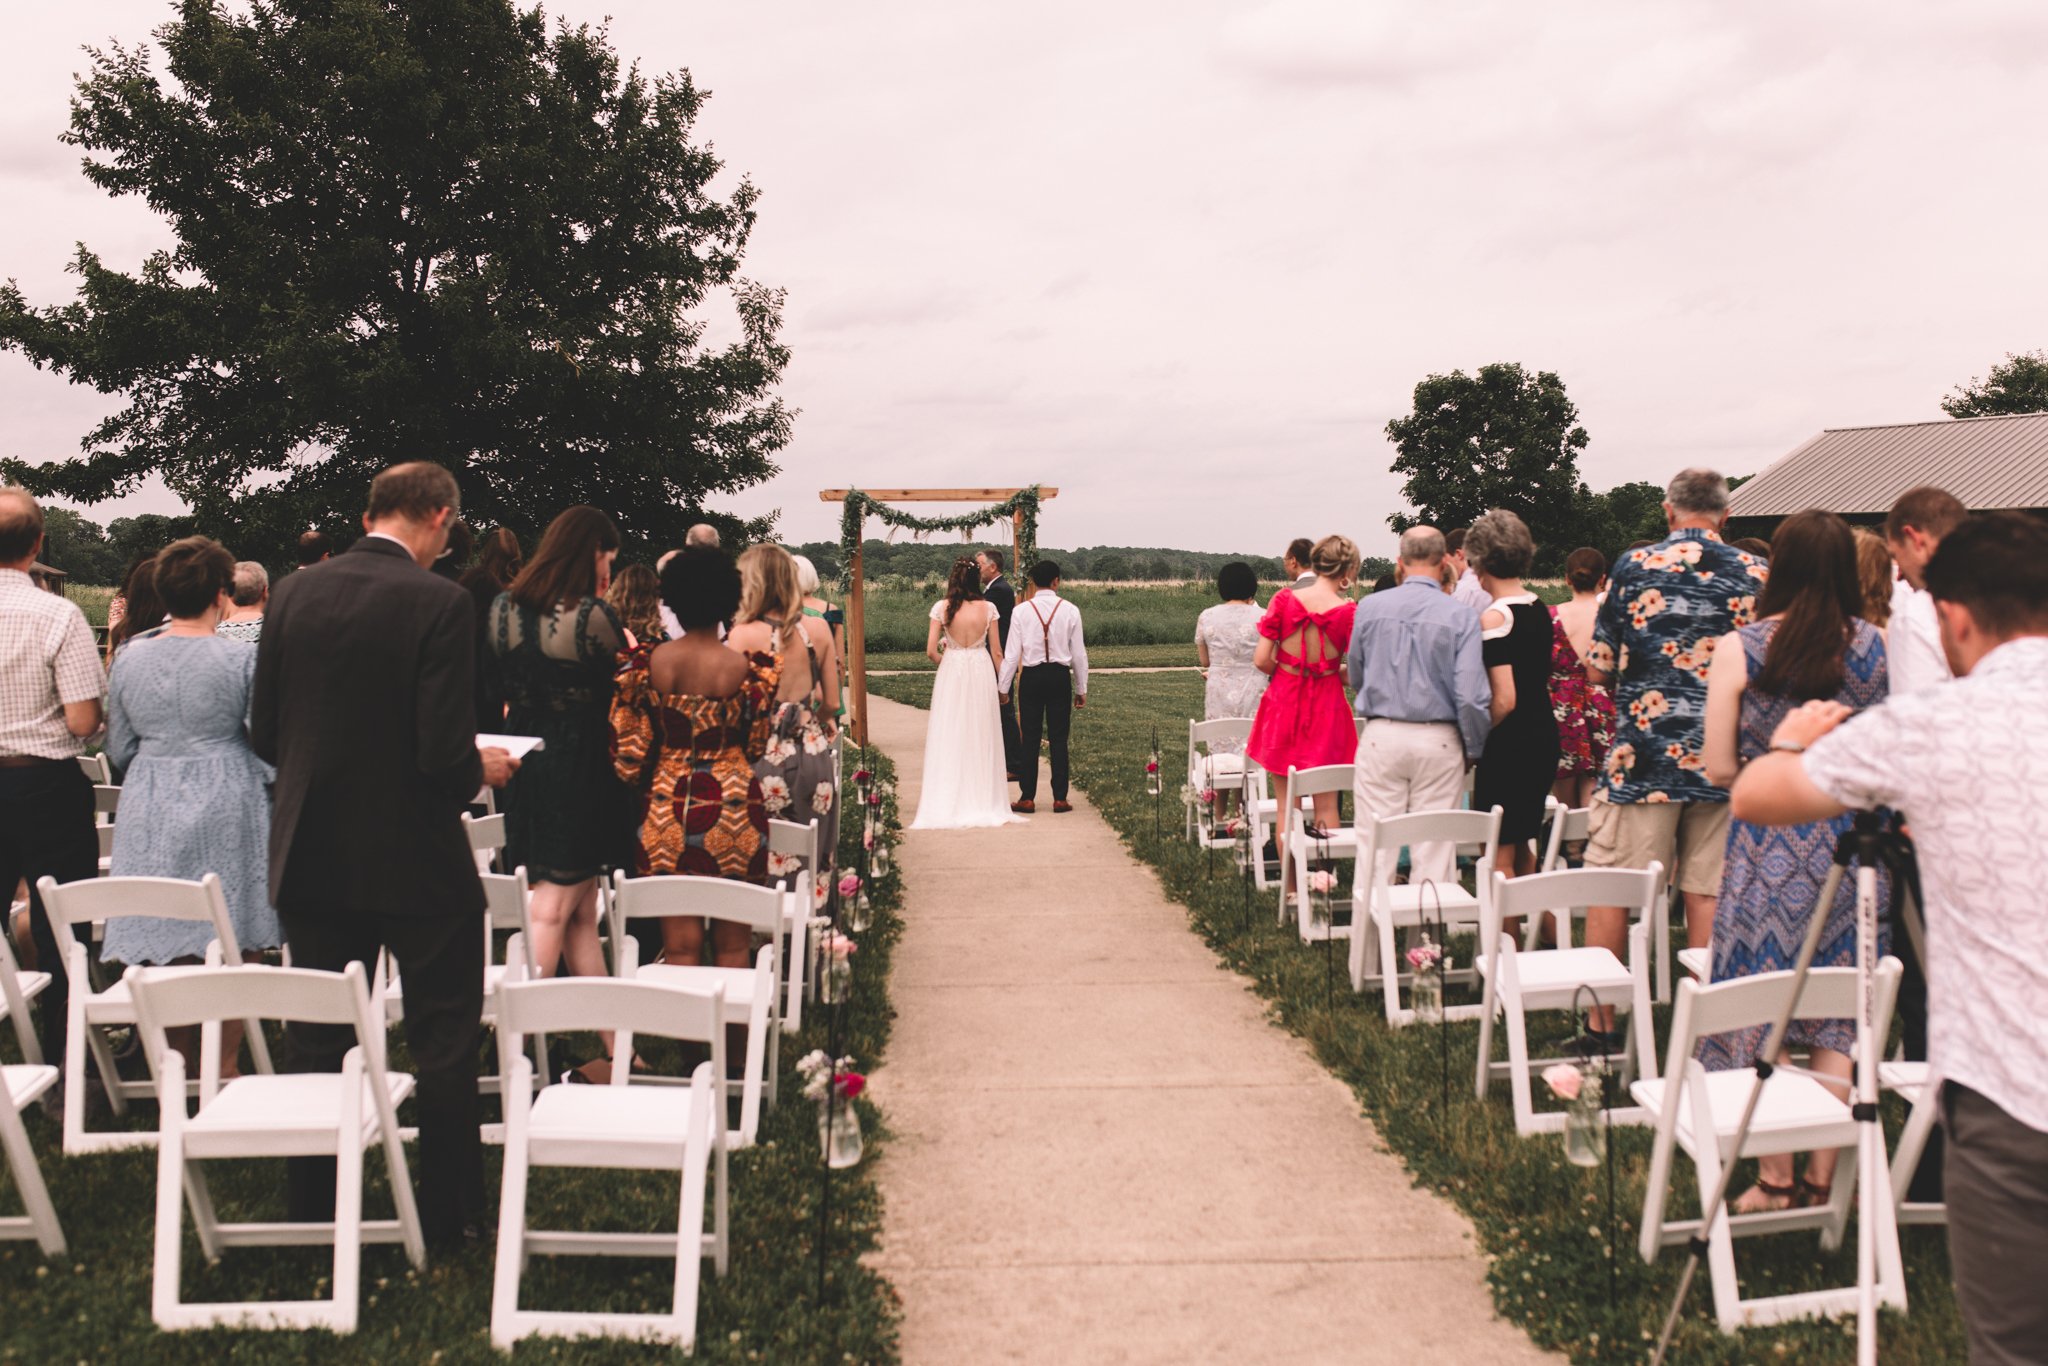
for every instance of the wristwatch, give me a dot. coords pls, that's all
(1787, 747)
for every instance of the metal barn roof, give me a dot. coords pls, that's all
(1987, 462)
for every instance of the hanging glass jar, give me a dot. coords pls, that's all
(839, 1135)
(1152, 776)
(1585, 1137)
(859, 913)
(1426, 980)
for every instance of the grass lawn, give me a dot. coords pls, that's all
(93, 1304)
(1541, 1220)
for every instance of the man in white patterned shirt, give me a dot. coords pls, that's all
(1967, 763)
(1047, 662)
(50, 701)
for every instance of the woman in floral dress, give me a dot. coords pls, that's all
(796, 770)
(1584, 709)
(689, 719)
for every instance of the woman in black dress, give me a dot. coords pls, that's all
(1520, 760)
(556, 644)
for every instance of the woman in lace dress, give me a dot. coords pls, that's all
(556, 644)
(194, 798)
(1227, 646)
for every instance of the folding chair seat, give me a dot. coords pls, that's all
(750, 995)
(1304, 785)
(342, 1115)
(92, 1012)
(1380, 907)
(798, 841)
(1517, 982)
(619, 1127)
(17, 989)
(1919, 1085)
(1696, 1112)
(25, 1084)
(1216, 761)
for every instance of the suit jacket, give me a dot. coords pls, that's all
(365, 701)
(998, 591)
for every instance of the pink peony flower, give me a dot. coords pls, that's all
(1424, 957)
(1564, 1080)
(851, 1084)
(1322, 880)
(849, 884)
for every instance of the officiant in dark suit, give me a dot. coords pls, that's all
(365, 703)
(997, 590)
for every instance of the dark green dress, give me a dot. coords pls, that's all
(566, 813)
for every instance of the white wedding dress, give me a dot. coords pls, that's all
(965, 785)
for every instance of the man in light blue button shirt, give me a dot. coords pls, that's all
(1423, 692)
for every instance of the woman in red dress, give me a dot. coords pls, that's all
(1584, 710)
(1303, 721)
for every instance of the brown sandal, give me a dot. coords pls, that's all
(1812, 1196)
(1761, 1198)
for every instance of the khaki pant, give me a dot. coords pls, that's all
(1688, 838)
(1405, 766)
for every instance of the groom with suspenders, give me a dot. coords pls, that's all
(1048, 662)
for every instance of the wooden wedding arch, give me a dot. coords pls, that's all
(856, 600)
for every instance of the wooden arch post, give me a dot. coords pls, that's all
(856, 607)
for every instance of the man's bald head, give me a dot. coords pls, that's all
(703, 536)
(21, 527)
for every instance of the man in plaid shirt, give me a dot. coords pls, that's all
(51, 688)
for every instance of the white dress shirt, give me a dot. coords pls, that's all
(1913, 641)
(1470, 593)
(1967, 763)
(47, 661)
(1046, 630)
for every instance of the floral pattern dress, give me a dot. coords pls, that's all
(1667, 604)
(691, 759)
(796, 769)
(1584, 709)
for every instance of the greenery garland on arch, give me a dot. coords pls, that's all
(858, 507)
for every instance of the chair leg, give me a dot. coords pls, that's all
(74, 1080)
(1913, 1141)
(1390, 970)
(1517, 1027)
(1482, 1079)
(348, 1201)
(512, 1224)
(103, 1062)
(205, 1221)
(28, 1179)
(170, 1187)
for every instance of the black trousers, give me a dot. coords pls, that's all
(441, 960)
(1013, 742)
(1997, 1187)
(46, 830)
(1045, 705)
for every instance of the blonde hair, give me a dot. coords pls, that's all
(768, 589)
(1335, 557)
(806, 574)
(1874, 576)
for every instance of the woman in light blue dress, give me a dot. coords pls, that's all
(194, 796)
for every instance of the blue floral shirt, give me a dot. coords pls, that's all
(1667, 604)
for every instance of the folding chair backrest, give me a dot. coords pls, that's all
(1314, 782)
(1746, 1002)
(1571, 889)
(565, 1005)
(1223, 730)
(168, 999)
(1568, 825)
(794, 839)
(12, 997)
(1391, 834)
(486, 838)
(96, 768)
(161, 898)
(106, 799)
(505, 897)
(714, 898)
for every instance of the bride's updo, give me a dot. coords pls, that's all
(962, 585)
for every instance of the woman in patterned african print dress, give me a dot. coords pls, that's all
(1809, 643)
(689, 720)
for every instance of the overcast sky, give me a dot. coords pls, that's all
(1184, 258)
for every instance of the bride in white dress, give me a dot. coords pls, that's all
(964, 782)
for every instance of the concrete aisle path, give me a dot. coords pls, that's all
(1103, 1151)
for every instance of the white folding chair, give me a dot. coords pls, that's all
(96, 767)
(25, 1083)
(486, 839)
(750, 994)
(798, 841)
(92, 1013)
(1698, 963)
(1568, 825)
(17, 989)
(1304, 785)
(1919, 1085)
(1216, 761)
(1696, 1112)
(106, 801)
(1260, 809)
(1517, 982)
(617, 1127)
(1380, 906)
(341, 1115)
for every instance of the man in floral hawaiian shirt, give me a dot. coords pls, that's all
(1667, 604)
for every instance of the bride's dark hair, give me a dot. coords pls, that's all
(962, 585)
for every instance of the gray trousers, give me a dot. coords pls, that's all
(1996, 1181)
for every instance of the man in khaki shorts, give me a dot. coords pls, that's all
(1667, 605)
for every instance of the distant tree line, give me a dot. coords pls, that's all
(1111, 563)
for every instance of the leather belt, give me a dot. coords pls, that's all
(28, 761)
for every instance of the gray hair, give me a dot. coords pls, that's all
(1700, 492)
(1499, 544)
(806, 574)
(1422, 545)
(702, 536)
(252, 583)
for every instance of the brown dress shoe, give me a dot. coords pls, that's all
(1061, 808)
(1024, 807)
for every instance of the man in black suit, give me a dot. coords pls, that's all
(364, 701)
(997, 590)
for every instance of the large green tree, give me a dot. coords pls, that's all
(440, 229)
(2017, 384)
(1502, 438)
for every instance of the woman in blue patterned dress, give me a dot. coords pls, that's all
(194, 797)
(1808, 643)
